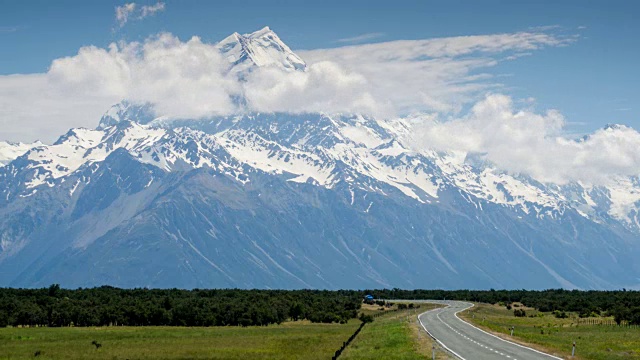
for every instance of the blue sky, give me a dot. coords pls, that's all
(592, 81)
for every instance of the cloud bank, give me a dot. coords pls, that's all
(438, 77)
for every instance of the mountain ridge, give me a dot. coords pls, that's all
(273, 200)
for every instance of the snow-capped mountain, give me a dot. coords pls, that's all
(10, 150)
(297, 200)
(260, 48)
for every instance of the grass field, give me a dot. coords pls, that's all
(293, 340)
(394, 336)
(546, 332)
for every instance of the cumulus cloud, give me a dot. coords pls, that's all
(181, 79)
(32, 108)
(525, 142)
(324, 87)
(131, 11)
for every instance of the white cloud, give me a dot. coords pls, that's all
(438, 75)
(447, 46)
(361, 38)
(150, 10)
(182, 79)
(123, 13)
(9, 29)
(324, 87)
(526, 142)
(130, 11)
(188, 79)
(32, 108)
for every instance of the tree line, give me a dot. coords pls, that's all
(102, 306)
(106, 305)
(623, 305)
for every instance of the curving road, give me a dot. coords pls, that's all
(468, 342)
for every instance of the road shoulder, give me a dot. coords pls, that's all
(467, 317)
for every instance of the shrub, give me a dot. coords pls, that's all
(560, 314)
(519, 313)
(366, 318)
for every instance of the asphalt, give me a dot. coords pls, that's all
(467, 342)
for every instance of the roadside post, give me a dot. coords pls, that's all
(433, 352)
(573, 350)
(512, 328)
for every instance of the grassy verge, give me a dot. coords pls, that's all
(546, 332)
(395, 336)
(291, 340)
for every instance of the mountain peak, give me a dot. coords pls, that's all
(262, 32)
(259, 48)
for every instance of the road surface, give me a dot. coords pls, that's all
(468, 342)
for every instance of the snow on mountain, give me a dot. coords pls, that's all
(324, 150)
(260, 48)
(229, 193)
(10, 150)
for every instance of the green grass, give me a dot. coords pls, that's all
(292, 340)
(596, 342)
(392, 336)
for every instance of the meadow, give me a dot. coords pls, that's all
(555, 335)
(290, 340)
(393, 335)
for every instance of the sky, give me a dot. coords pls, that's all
(570, 65)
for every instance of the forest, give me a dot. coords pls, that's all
(104, 306)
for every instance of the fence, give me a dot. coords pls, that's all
(384, 313)
(607, 322)
(352, 337)
(346, 343)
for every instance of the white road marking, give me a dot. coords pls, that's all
(499, 338)
(438, 311)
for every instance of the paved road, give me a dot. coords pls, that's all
(468, 342)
